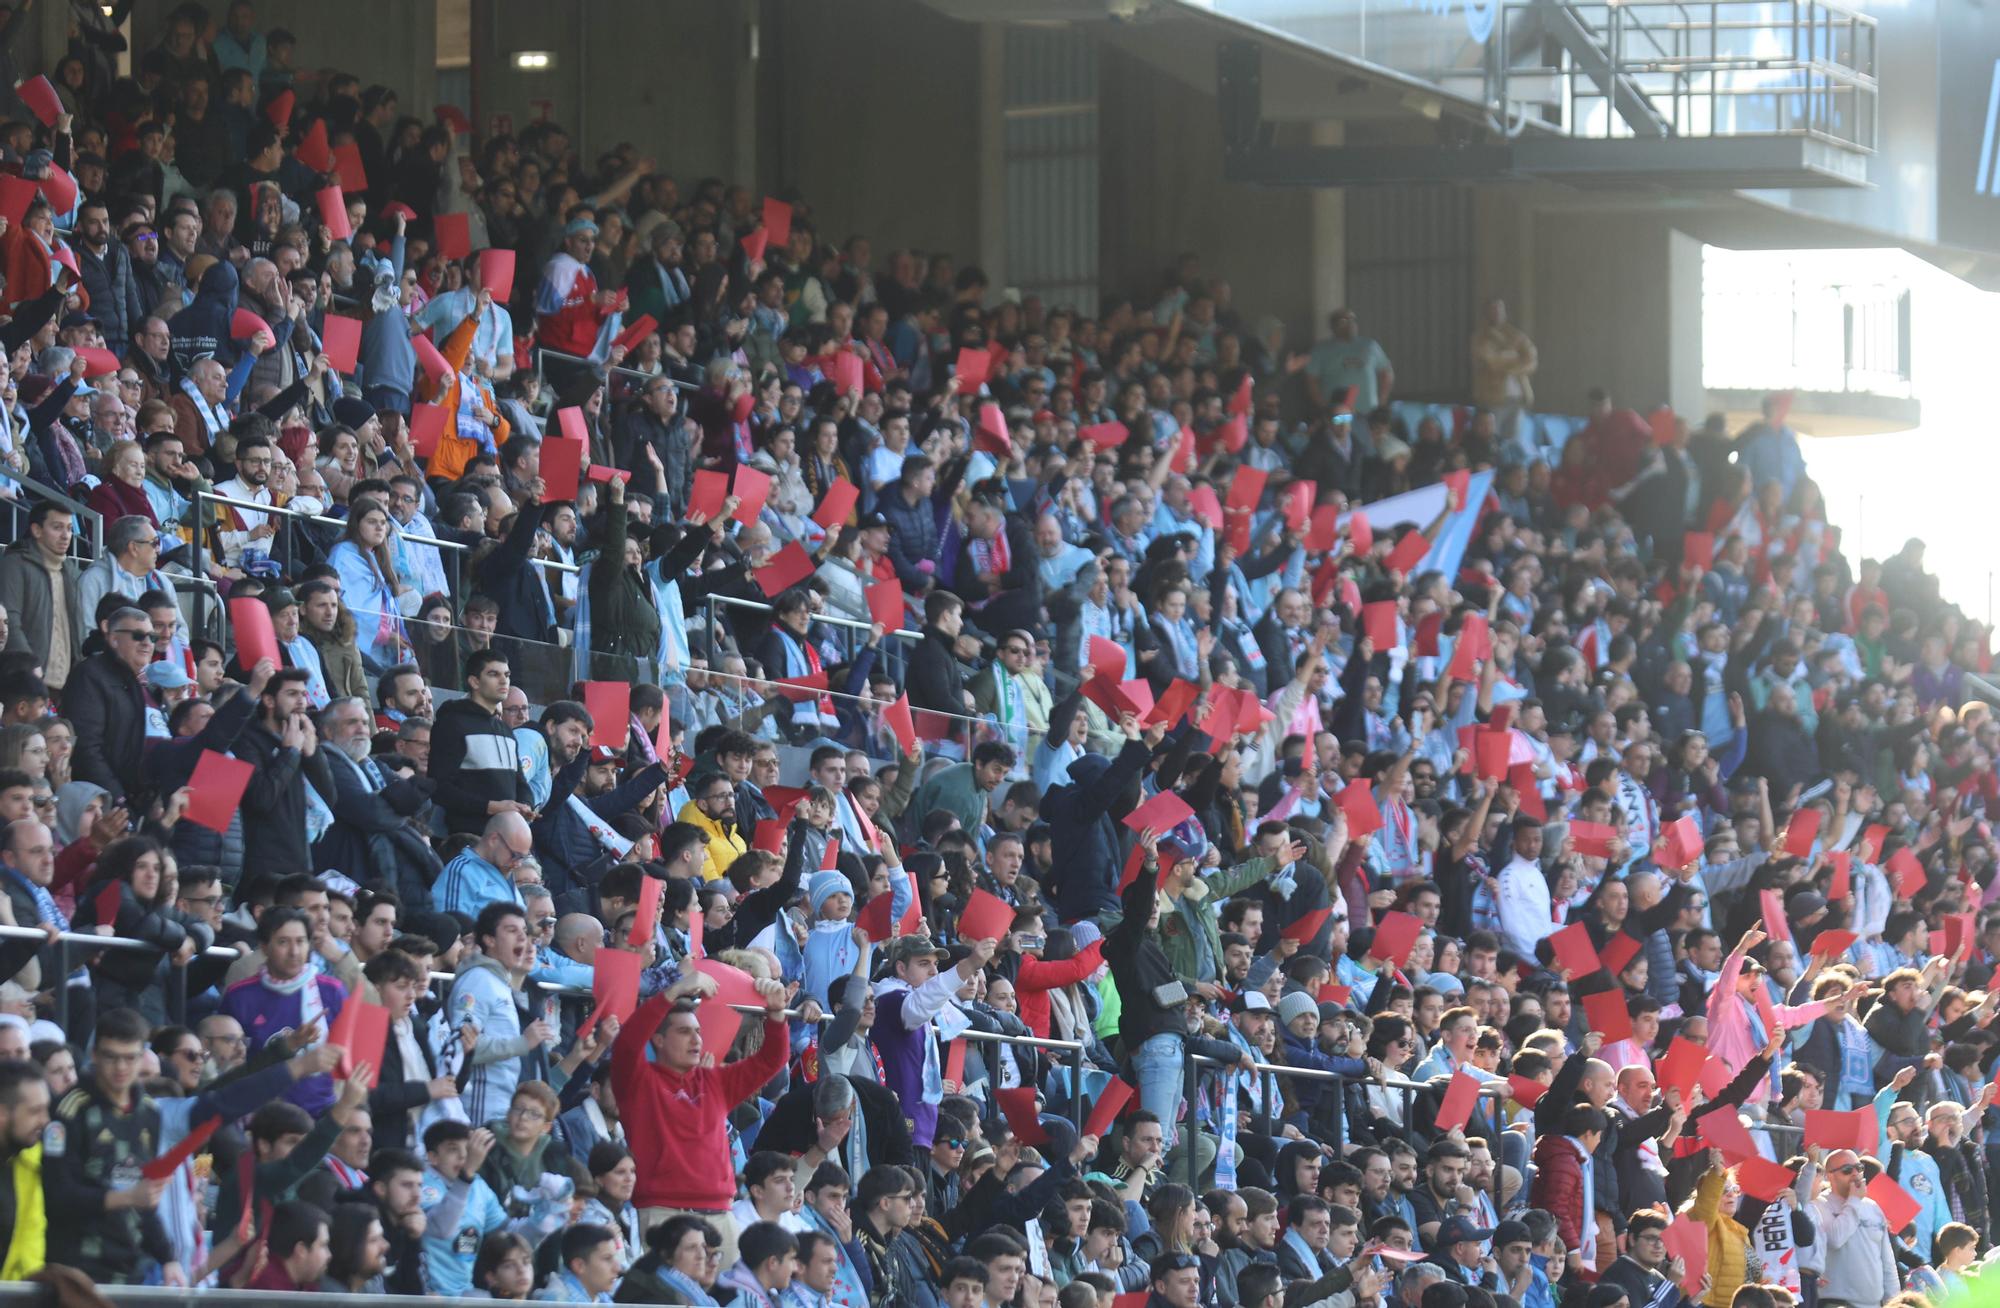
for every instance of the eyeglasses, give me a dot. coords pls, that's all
(528, 1114)
(953, 1142)
(144, 637)
(1843, 1171)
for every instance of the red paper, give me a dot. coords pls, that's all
(105, 906)
(986, 917)
(1606, 1011)
(991, 434)
(1171, 707)
(1246, 488)
(1763, 1179)
(1840, 885)
(1307, 927)
(435, 365)
(769, 837)
(885, 604)
(1801, 831)
(719, 1020)
(897, 718)
(279, 110)
(427, 424)
(1724, 1129)
(1870, 844)
(1459, 1098)
(777, 221)
(250, 619)
(1361, 532)
(604, 473)
(1133, 862)
(39, 94)
(313, 151)
(1958, 930)
(245, 324)
(807, 687)
(1856, 1129)
(972, 368)
(1898, 1205)
(1395, 936)
(1906, 872)
(1680, 843)
(1357, 802)
(647, 920)
(96, 362)
(1234, 434)
(1574, 950)
(1138, 692)
(1163, 812)
(361, 1032)
(790, 566)
(1332, 992)
(1618, 951)
(16, 194)
(159, 1169)
(1183, 457)
(1687, 1240)
(1525, 1091)
(496, 274)
(216, 789)
(754, 244)
(609, 704)
(333, 212)
(1323, 529)
(1111, 1102)
(1775, 922)
(1592, 839)
(1491, 751)
(635, 331)
(1298, 504)
(1680, 1068)
(1409, 552)
(1665, 428)
(1108, 657)
(454, 235)
(707, 496)
(1204, 504)
(1833, 942)
(562, 468)
(340, 338)
(1240, 399)
(752, 488)
(454, 117)
(351, 174)
(614, 983)
(1023, 1118)
(1378, 621)
(1105, 435)
(60, 190)
(1698, 548)
(874, 919)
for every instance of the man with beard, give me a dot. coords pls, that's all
(577, 828)
(371, 838)
(107, 275)
(246, 533)
(24, 1111)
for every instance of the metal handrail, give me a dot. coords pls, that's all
(830, 619)
(77, 509)
(541, 350)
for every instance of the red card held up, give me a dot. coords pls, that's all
(1801, 831)
(1898, 1205)
(777, 220)
(1592, 839)
(1409, 552)
(496, 274)
(1163, 812)
(1906, 872)
(16, 194)
(313, 151)
(105, 907)
(1357, 802)
(752, 488)
(1833, 942)
(427, 424)
(885, 604)
(1618, 951)
(1775, 922)
(610, 706)
(361, 1032)
(1687, 1240)
(635, 331)
(159, 1169)
(1525, 1092)
(991, 433)
(647, 919)
(1459, 1098)
(1108, 657)
(255, 637)
(1395, 936)
(899, 721)
(1234, 434)
(1111, 1102)
(717, 1016)
(1574, 951)
(954, 1066)
(247, 323)
(1724, 1129)
(615, 989)
(1201, 500)
(1761, 1178)
(802, 688)
(1491, 751)
(454, 234)
(1307, 927)
(39, 94)
(1133, 862)
(971, 370)
(341, 338)
(333, 212)
(1856, 1129)
(790, 566)
(562, 468)
(604, 473)
(708, 494)
(1105, 435)
(1023, 1117)
(1841, 884)
(1246, 488)
(836, 504)
(1698, 548)
(1680, 844)
(348, 168)
(1606, 1011)
(1171, 707)
(1378, 621)
(278, 110)
(1332, 992)
(1680, 1068)
(1521, 776)
(215, 791)
(986, 917)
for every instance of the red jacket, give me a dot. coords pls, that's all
(1558, 1187)
(1036, 978)
(668, 1116)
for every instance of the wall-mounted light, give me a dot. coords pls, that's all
(534, 61)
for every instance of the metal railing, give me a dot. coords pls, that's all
(89, 521)
(610, 370)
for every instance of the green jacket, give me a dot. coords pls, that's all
(956, 791)
(1183, 917)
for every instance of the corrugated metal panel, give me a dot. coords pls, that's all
(1409, 278)
(1050, 143)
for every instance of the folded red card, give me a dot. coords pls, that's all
(647, 920)
(1018, 1106)
(333, 212)
(562, 468)
(1618, 951)
(1459, 1099)
(340, 337)
(39, 94)
(986, 916)
(1680, 843)
(1395, 936)
(752, 487)
(790, 566)
(1163, 812)
(1592, 839)
(1801, 831)
(361, 1033)
(454, 234)
(610, 706)
(244, 324)
(1761, 1178)
(1111, 1102)
(1574, 950)
(1138, 692)
(164, 1166)
(1608, 1016)
(215, 791)
(1725, 1130)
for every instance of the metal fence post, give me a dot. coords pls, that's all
(1076, 1087)
(62, 984)
(196, 535)
(1189, 1093)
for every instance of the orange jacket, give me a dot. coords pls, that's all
(455, 451)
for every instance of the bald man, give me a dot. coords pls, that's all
(1854, 1236)
(484, 872)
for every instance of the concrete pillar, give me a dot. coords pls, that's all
(1327, 241)
(1684, 389)
(992, 153)
(748, 57)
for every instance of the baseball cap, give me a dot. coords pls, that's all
(1456, 1230)
(1250, 1001)
(905, 949)
(870, 520)
(1511, 1232)
(603, 754)
(166, 675)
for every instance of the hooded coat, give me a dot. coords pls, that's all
(1084, 877)
(201, 331)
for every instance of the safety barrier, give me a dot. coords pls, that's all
(620, 370)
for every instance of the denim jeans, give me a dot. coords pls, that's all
(1161, 1066)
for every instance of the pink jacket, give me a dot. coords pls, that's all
(1729, 1036)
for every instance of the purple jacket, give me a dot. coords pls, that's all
(264, 1013)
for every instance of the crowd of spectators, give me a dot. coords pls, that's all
(572, 734)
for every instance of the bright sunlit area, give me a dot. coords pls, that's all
(1820, 321)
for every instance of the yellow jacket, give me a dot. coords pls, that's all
(28, 1250)
(724, 847)
(1728, 1242)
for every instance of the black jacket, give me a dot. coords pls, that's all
(371, 839)
(935, 681)
(474, 760)
(108, 706)
(274, 804)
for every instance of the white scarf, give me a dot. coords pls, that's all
(599, 829)
(311, 1007)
